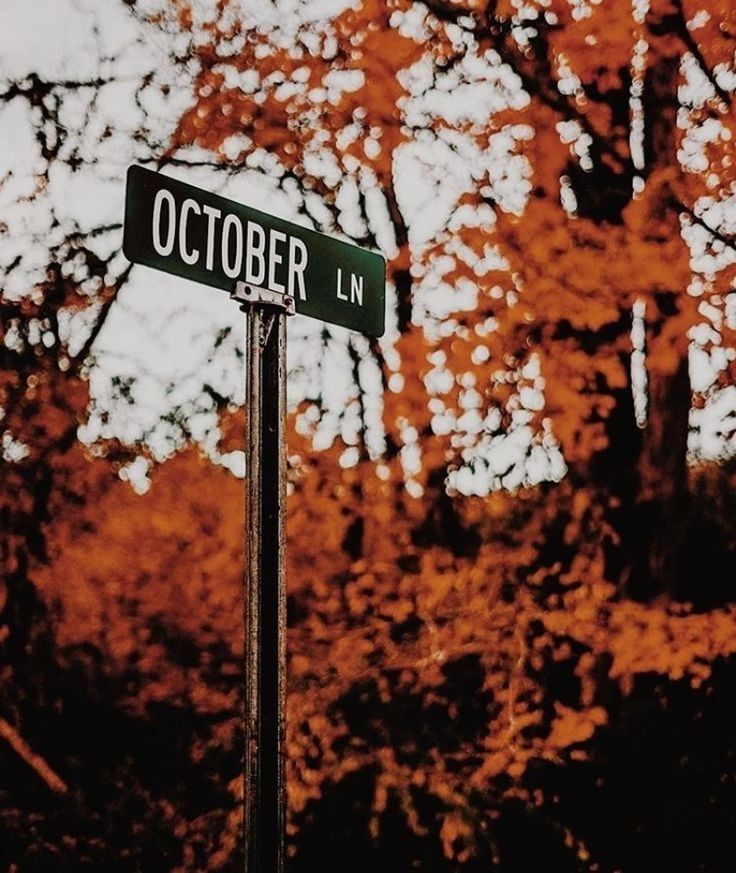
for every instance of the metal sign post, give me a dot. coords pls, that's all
(265, 580)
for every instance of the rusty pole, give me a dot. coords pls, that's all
(265, 581)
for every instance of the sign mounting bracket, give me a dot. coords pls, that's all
(271, 303)
(246, 293)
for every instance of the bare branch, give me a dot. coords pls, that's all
(104, 312)
(33, 759)
(729, 241)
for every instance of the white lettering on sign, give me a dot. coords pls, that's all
(274, 258)
(255, 251)
(340, 295)
(189, 257)
(164, 196)
(212, 216)
(263, 257)
(232, 271)
(356, 288)
(297, 265)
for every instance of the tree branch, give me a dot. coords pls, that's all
(34, 760)
(106, 306)
(729, 241)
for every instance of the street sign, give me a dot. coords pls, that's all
(270, 267)
(184, 230)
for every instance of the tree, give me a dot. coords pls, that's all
(504, 595)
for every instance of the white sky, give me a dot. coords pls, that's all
(161, 332)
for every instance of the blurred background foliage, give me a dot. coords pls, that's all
(511, 521)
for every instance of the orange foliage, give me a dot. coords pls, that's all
(454, 661)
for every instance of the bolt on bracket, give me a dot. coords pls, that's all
(249, 295)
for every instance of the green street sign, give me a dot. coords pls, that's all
(192, 233)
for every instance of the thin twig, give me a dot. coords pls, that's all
(716, 234)
(34, 761)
